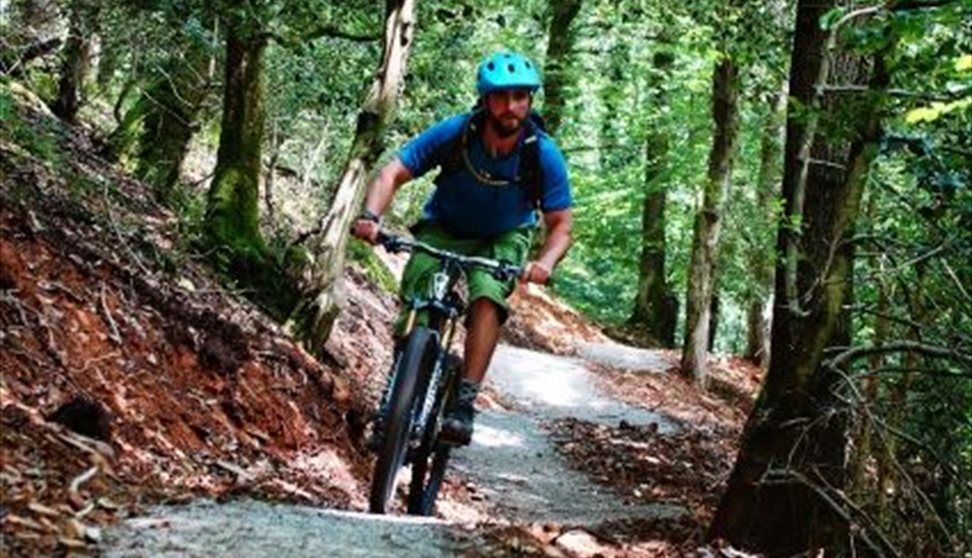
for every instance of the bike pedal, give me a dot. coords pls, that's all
(455, 440)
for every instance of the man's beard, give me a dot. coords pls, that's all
(503, 129)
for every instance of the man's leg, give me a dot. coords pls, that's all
(482, 334)
(487, 312)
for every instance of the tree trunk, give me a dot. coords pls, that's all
(785, 493)
(656, 307)
(312, 320)
(560, 44)
(705, 242)
(75, 62)
(232, 216)
(171, 105)
(761, 256)
(612, 94)
(31, 30)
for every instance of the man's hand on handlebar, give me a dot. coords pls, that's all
(535, 272)
(366, 229)
(369, 230)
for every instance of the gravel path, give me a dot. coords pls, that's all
(511, 463)
(621, 356)
(550, 387)
(248, 528)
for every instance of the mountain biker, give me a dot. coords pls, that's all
(482, 207)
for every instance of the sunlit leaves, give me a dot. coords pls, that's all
(963, 63)
(936, 110)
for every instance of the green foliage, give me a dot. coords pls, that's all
(913, 272)
(364, 255)
(36, 139)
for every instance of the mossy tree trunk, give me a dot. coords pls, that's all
(232, 216)
(656, 306)
(708, 221)
(157, 130)
(75, 60)
(560, 45)
(786, 492)
(761, 260)
(171, 106)
(313, 319)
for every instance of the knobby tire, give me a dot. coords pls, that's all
(419, 347)
(427, 477)
(425, 489)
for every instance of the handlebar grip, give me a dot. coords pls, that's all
(391, 242)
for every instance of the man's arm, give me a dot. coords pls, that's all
(559, 224)
(380, 195)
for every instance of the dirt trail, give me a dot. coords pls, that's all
(129, 377)
(259, 529)
(512, 466)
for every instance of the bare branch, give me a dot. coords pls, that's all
(900, 320)
(958, 282)
(937, 372)
(955, 95)
(607, 146)
(329, 31)
(919, 5)
(332, 32)
(830, 496)
(828, 164)
(34, 50)
(853, 353)
(885, 427)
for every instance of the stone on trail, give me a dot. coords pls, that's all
(582, 544)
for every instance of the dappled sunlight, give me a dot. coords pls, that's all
(560, 394)
(562, 387)
(496, 437)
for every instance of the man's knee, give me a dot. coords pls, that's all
(487, 309)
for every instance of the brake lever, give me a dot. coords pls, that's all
(507, 272)
(391, 243)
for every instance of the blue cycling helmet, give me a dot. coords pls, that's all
(506, 70)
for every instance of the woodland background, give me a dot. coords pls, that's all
(734, 165)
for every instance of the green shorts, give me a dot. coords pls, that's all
(511, 247)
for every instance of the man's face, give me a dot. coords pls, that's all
(507, 109)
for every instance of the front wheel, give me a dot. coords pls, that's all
(429, 466)
(427, 480)
(417, 357)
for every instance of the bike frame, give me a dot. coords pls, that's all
(428, 383)
(444, 306)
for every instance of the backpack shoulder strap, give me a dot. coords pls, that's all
(448, 155)
(531, 174)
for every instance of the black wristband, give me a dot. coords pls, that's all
(369, 215)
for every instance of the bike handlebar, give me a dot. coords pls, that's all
(502, 270)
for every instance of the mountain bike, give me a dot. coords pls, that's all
(424, 381)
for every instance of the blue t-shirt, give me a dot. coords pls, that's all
(464, 203)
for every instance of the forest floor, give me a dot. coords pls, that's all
(141, 399)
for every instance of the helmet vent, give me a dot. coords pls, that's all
(506, 70)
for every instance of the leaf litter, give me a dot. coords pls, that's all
(129, 378)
